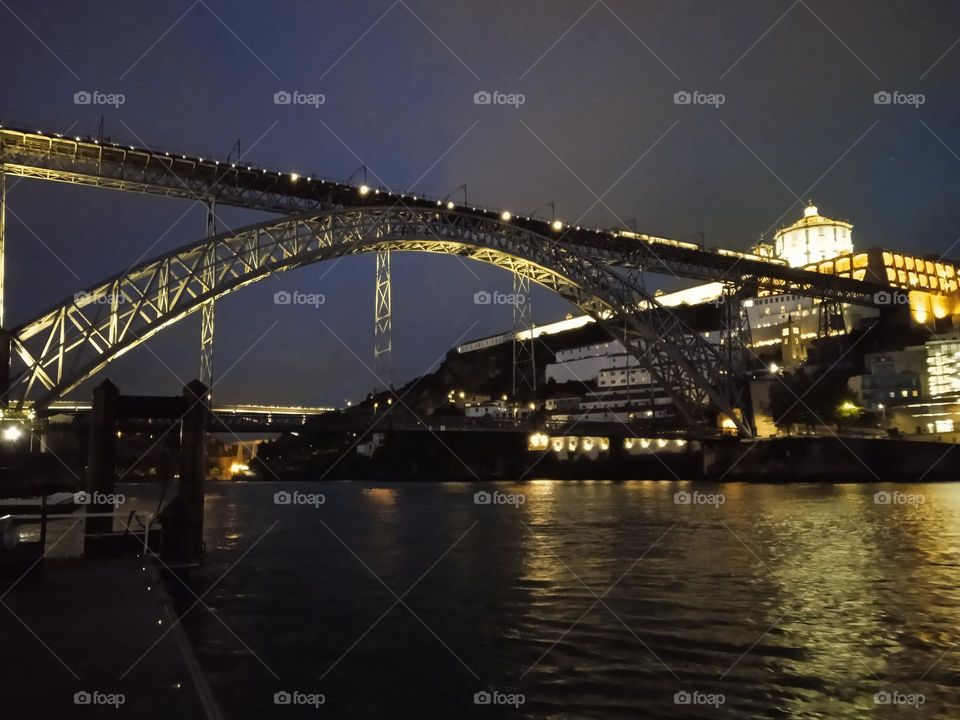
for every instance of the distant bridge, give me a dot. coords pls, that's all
(225, 418)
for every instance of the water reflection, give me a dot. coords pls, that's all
(796, 601)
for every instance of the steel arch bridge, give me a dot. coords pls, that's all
(55, 352)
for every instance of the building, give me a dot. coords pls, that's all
(624, 391)
(584, 364)
(891, 378)
(812, 238)
(932, 283)
(943, 368)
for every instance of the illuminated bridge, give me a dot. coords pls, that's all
(226, 418)
(600, 271)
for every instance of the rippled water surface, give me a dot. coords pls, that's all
(591, 599)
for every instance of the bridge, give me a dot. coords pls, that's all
(601, 271)
(226, 418)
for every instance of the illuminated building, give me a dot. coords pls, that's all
(943, 367)
(931, 282)
(812, 238)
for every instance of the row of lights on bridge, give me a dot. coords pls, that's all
(505, 216)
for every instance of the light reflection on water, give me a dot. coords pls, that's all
(593, 599)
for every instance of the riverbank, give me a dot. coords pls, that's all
(95, 636)
(842, 459)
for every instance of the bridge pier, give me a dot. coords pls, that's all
(4, 335)
(101, 475)
(182, 517)
(3, 239)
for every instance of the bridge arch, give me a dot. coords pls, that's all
(77, 338)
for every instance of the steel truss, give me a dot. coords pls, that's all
(383, 323)
(208, 310)
(47, 156)
(75, 339)
(524, 344)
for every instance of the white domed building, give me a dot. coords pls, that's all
(813, 238)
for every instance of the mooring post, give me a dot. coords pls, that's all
(193, 469)
(101, 463)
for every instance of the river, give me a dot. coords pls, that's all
(579, 600)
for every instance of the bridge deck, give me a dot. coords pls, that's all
(87, 161)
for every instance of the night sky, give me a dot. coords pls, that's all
(599, 119)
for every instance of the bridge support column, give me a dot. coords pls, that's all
(734, 328)
(5, 342)
(524, 354)
(735, 342)
(383, 323)
(830, 319)
(182, 518)
(208, 311)
(101, 473)
(3, 240)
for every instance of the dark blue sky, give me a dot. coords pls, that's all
(599, 80)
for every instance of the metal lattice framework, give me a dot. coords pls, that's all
(54, 353)
(524, 343)
(133, 169)
(383, 323)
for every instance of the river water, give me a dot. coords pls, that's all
(580, 600)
